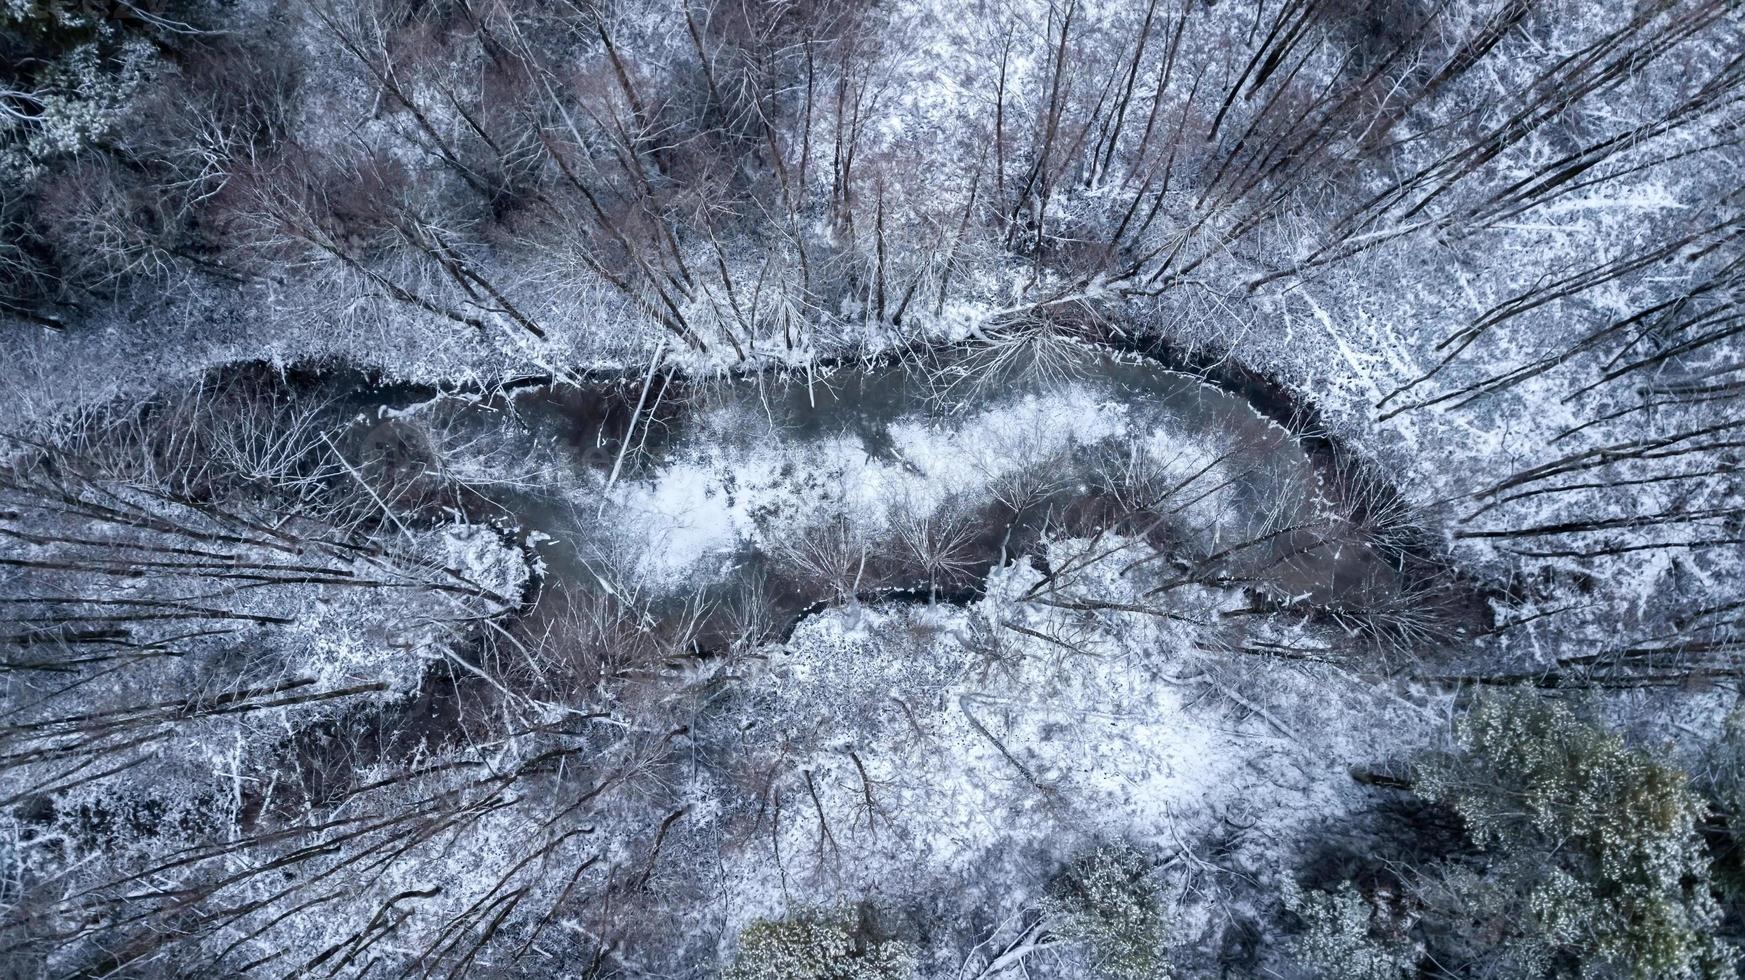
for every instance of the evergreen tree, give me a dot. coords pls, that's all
(66, 78)
(818, 944)
(1591, 862)
(1338, 941)
(1108, 905)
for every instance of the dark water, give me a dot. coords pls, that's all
(555, 447)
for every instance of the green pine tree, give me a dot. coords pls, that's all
(1107, 904)
(1337, 941)
(1593, 864)
(818, 944)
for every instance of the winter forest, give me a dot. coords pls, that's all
(872, 489)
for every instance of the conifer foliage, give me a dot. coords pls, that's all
(1108, 905)
(1590, 857)
(819, 944)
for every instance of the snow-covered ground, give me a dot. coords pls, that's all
(753, 513)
